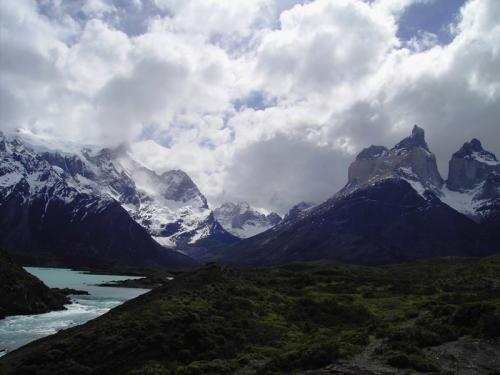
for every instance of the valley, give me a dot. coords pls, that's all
(238, 291)
(438, 316)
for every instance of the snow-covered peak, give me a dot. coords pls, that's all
(470, 166)
(170, 206)
(473, 150)
(243, 221)
(473, 184)
(46, 143)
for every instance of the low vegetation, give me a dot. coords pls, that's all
(22, 293)
(284, 320)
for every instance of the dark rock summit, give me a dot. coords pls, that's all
(416, 139)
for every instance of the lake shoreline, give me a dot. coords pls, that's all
(86, 301)
(150, 278)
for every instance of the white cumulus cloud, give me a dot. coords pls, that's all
(265, 101)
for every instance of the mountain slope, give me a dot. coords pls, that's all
(47, 211)
(386, 222)
(389, 211)
(298, 210)
(22, 293)
(170, 206)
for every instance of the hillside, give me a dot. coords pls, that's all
(439, 316)
(22, 293)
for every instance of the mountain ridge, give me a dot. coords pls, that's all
(392, 209)
(74, 204)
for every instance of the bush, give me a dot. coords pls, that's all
(415, 361)
(308, 358)
(216, 367)
(489, 325)
(469, 315)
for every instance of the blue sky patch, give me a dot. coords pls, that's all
(431, 17)
(255, 100)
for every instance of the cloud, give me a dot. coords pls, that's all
(281, 170)
(265, 101)
(324, 44)
(151, 88)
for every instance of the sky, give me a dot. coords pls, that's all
(264, 101)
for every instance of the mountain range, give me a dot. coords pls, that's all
(82, 204)
(79, 204)
(395, 207)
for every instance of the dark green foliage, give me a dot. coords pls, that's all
(22, 293)
(281, 320)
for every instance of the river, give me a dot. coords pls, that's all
(16, 331)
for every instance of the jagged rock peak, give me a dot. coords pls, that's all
(371, 152)
(471, 166)
(474, 148)
(416, 139)
(410, 159)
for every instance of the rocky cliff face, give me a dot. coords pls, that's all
(470, 166)
(409, 159)
(243, 221)
(473, 185)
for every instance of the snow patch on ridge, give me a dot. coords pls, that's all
(484, 158)
(463, 201)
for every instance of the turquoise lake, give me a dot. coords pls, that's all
(19, 330)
